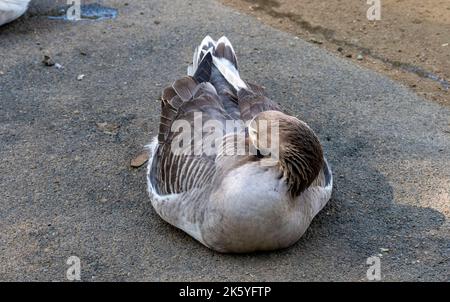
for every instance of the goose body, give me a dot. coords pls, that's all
(231, 199)
(12, 9)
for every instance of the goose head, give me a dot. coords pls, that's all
(292, 143)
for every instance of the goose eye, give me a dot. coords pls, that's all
(252, 131)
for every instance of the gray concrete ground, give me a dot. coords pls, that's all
(67, 187)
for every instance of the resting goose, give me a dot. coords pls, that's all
(12, 9)
(233, 198)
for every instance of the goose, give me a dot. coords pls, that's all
(223, 185)
(12, 9)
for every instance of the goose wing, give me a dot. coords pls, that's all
(253, 101)
(319, 192)
(179, 165)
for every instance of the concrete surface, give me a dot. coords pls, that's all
(67, 187)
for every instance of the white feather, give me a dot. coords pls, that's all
(229, 72)
(198, 51)
(226, 68)
(12, 9)
(161, 202)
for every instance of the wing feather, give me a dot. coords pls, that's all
(251, 102)
(181, 172)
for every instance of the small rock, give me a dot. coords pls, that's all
(140, 159)
(445, 44)
(359, 57)
(108, 128)
(348, 56)
(1, 72)
(340, 49)
(384, 250)
(157, 22)
(48, 61)
(315, 41)
(59, 66)
(80, 77)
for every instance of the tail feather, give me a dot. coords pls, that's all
(206, 44)
(203, 72)
(224, 49)
(223, 58)
(229, 72)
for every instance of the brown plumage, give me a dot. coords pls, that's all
(300, 152)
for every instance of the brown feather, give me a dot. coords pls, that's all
(184, 88)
